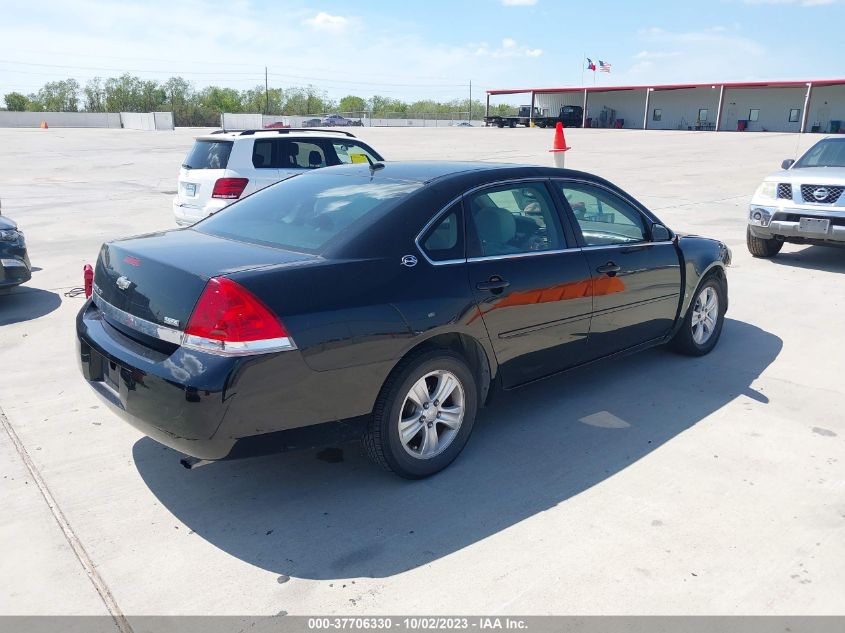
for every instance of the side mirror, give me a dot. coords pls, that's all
(789, 162)
(660, 233)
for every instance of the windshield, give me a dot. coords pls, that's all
(305, 212)
(826, 153)
(208, 155)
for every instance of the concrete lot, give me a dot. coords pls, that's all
(721, 491)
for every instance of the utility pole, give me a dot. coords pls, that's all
(266, 93)
(469, 119)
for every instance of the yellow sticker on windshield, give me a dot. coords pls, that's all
(358, 158)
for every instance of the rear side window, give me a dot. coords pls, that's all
(262, 154)
(305, 212)
(298, 155)
(208, 155)
(445, 240)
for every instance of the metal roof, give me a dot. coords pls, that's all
(742, 84)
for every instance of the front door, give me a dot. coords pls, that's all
(636, 281)
(533, 289)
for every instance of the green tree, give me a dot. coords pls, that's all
(58, 96)
(17, 102)
(351, 103)
(123, 94)
(95, 95)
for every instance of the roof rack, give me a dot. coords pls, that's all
(286, 130)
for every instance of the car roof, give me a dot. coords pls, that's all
(232, 135)
(424, 171)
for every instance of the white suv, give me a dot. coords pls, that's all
(223, 167)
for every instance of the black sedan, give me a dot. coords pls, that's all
(385, 301)
(15, 268)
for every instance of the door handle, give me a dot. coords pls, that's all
(610, 269)
(495, 283)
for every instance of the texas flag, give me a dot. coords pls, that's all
(590, 64)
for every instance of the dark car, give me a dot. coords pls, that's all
(386, 300)
(312, 123)
(15, 268)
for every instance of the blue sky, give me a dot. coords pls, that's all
(421, 49)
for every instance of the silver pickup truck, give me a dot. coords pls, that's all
(803, 203)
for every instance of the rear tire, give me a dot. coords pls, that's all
(760, 247)
(414, 431)
(703, 322)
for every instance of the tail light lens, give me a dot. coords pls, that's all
(228, 319)
(229, 188)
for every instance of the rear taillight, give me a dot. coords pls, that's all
(229, 319)
(229, 188)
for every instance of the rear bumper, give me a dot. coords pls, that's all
(187, 214)
(212, 407)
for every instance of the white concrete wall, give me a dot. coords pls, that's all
(164, 120)
(680, 107)
(629, 105)
(239, 121)
(827, 104)
(774, 105)
(60, 119)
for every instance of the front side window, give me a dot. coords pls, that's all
(794, 113)
(753, 114)
(445, 240)
(352, 152)
(604, 219)
(513, 219)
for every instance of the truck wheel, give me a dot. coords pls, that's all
(500, 124)
(424, 415)
(542, 124)
(702, 325)
(760, 247)
(512, 124)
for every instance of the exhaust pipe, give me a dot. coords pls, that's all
(193, 462)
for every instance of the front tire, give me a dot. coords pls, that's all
(424, 415)
(702, 325)
(761, 247)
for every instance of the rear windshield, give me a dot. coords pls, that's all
(828, 153)
(305, 212)
(208, 155)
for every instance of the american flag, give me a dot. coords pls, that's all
(604, 67)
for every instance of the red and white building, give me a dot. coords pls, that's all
(767, 106)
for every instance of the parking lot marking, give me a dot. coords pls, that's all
(74, 542)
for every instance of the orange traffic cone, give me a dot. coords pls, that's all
(44, 125)
(559, 146)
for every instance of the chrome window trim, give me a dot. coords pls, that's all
(556, 251)
(496, 183)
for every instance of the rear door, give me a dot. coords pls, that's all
(205, 163)
(636, 281)
(530, 281)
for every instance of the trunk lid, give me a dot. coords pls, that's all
(159, 277)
